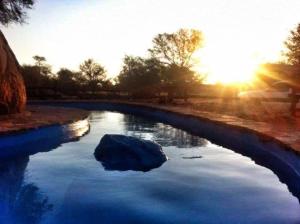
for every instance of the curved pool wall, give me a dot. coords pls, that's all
(263, 151)
(41, 139)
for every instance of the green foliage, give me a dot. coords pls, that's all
(14, 10)
(39, 74)
(42, 83)
(40, 63)
(39, 60)
(293, 47)
(175, 74)
(65, 75)
(138, 73)
(68, 82)
(177, 48)
(92, 74)
(178, 80)
(168, 68)
(33, 77)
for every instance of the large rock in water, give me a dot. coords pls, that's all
(120, 152)
(12, 88)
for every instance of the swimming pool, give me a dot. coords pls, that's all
(200, 183)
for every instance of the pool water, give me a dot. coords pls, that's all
(200, 183)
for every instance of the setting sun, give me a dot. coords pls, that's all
(228, 60)
(230, 68)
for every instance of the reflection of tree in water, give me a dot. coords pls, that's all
(22, 202)
(30, 205)
(161, 133)
(19, 202)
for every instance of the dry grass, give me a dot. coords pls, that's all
(251, 110)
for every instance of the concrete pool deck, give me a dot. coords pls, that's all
(283, 130)
(39, 116)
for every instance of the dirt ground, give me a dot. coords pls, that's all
(38, 116)
(251, 110)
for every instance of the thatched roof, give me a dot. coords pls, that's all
(12, 88)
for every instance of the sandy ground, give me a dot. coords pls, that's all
(252, 110)
(37, 116)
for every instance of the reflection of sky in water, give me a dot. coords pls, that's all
(75, 129)
(67, 185)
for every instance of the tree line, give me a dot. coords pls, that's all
(168, 68)
(41, 81)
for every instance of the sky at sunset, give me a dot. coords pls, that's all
(239, 34)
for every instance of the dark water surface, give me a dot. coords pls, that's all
(200, 183)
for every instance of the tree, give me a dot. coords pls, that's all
(176, 51)
(65, 75)
(293, 58)
(39, 60)
(67, 81)
(177, 48)
(14, 10)
(93, 74)
(140, 75)
(40, 63)
(39, 75)
(178, 80)
(293, 47)
(33, 77)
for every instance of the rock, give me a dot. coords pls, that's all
(119, 152)
(12, 88)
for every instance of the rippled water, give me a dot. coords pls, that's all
(200, 183)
